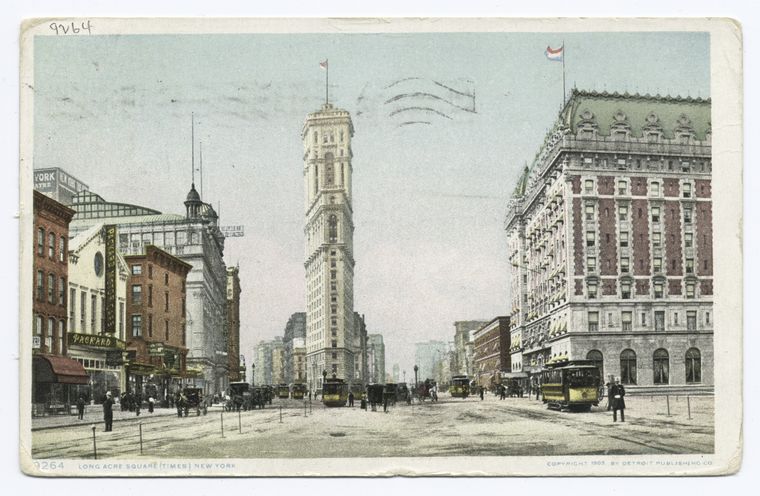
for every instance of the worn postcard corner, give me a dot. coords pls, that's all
(397, 247)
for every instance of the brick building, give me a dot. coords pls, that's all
(156, 328)
(491, 344)
(52, 372)
(610, 242)
(233, 323)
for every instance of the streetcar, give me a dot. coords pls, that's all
(334, 392)
(299, 391)
(283, 391)
(572, 385)
(460, 386)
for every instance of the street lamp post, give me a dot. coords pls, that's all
(253, 374)
(416, 368)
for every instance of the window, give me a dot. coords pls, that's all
(40, 285)
(687, 215)
(625, 265)
(334, 343)
(150, 295)
(591, 264)
(588, 186)
(661, 364)
(51, 245)
(150, 325)
(657, 264)
(622, 187)
(628, 367)
(689, 265)
(691, 320)
(121, 319)
(183, 335)
(593, 321)
(39, 322)
(624, 239)
(598, 360)
(62, 292)
(136, 325)
(166, 278)
(150, 271)
(592, 290)
(655, 214)
(688, 240)
(333, 229)
(655, 189)
(656, 239)
(590, 238)
(707, 317)
(686, 190)
(82, 310)
(72, 308)
(62, 249)
(589, 212)
(625, 290)
(50, 333)
(93, 313)
(658, 290)
(623, 212)
(51, 288)
(40, 241)
(627, 319)
(137, 270)
(693, 366)
(166, 302)
(136, 294)
(643, 319)
(61, 333)
(675, 318)
(166, 331)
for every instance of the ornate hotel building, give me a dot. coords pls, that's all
(610, 242)
(329, 253)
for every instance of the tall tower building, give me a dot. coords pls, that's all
(329, 253)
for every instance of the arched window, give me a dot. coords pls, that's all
(693, 366)
(596, 357)
(661, 366)
(333, 229)
(628, 367)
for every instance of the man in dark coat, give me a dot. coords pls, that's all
(80, 407)
(108, 412)
(351, 399)
(617, 396)
(481, 393)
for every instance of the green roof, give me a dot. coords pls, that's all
(635, 110)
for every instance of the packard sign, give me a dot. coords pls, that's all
(96, 341)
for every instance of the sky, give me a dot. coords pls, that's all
(432, 174)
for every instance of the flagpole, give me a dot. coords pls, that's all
(564, 54)
(192, 144)
(327, 80)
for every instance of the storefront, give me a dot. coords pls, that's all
(102, 358)
(54, 383)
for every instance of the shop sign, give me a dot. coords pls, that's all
(156, 349)
(95, 341)
(114, 358)
(110, 298)
(36, 342)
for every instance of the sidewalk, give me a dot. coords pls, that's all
(93, 414)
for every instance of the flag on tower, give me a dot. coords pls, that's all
(555, 54)
(323, 65)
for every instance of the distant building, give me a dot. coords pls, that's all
(298, 359)
(491, 343)
(609, 233)
(58, 184)
(294, 329)
(463, 344)
(375, 359)
(233, 324)
(361, 367)
(396, 373)
(278, 361)
(427, 357)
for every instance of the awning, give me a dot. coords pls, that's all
(514, 375)
(58, 369)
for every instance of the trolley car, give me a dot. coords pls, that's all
(334, 392)
(299, 391)
(460, 386)
(283, 391)
(572, 385)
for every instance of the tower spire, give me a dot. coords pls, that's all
(200, 158)
(192, 145)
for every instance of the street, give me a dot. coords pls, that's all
(451, 427)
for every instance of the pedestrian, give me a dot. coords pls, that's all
(618, 401)
(481, 393)
(351, 399)
(178, 403)
(108, 412)
(310, 395)
(538, 390)
(609, 395)
(80, 407)
(138, 403)
(385, 403)
(502, 392)
(150, 404)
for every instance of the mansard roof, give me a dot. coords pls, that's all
(606, 110)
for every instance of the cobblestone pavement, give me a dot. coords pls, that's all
(451, 427)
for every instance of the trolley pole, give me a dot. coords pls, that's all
(221, 414)
(667, 401)
(688, 405)
(94, 445)
(304, 408)
(240, 424)
(280, 413)
(141, 439)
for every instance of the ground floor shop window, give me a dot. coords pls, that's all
(628, 367)
(661, 367)
(693, 366)
(596, 357)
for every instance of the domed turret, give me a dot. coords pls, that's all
(193, 203)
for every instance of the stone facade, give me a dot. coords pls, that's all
(329, 255)
(233, 325)
(610, 242)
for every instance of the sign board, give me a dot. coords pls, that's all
(36, 342)
(233, 231)
(156, 349)
(110, 305)
(95, 341)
